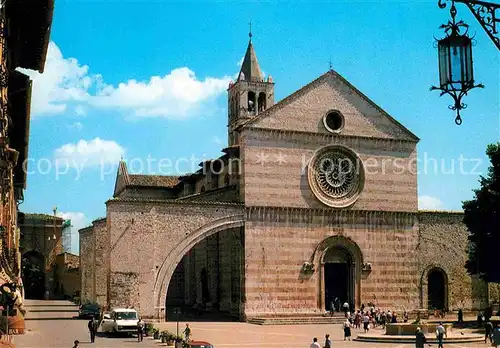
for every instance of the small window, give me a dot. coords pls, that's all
(333, 121)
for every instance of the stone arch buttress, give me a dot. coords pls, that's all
(175, 255)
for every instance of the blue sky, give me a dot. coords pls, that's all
(148, 78)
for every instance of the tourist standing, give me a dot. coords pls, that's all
(140, 330)
(328, 342)
(93, 325)
(357, 320)
(332, 308)
(440, 333)
(315, 343)
(488, 331)
(460, 316)
(347, 329)
(405, 317)
(420, 339)
(187, 332)
(76, 343)
(366, 322)
(346, 308)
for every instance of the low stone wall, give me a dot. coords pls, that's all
(410, 329)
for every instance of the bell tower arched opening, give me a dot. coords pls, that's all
(261, 102)
(251, 102)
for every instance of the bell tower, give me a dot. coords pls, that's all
(249, 95)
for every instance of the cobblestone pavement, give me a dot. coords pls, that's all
(52, 325)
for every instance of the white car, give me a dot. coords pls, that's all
(120, 320)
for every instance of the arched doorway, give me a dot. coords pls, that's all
(339, 281)
(33, 275)
(207, 284)
(437, 287)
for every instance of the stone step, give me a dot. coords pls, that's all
(316, 320)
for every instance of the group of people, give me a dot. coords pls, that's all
(372, 317)
(421, 340)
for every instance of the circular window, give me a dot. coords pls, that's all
(334, 121)
(336, 176)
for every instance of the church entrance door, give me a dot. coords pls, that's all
(336, 289)
(436, 289)
(338, 277)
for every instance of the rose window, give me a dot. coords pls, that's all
(336, 176)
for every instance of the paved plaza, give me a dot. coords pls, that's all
(53, 324)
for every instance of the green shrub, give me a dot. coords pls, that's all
(148, 328)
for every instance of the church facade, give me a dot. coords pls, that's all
(314, 199)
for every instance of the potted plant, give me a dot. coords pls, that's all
(170, 339)
(179, 342)
(164, 335)
(148, 329)
(156, 333)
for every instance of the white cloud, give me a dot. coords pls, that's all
(64, 80)
(66, 84)
(80, 110)
(78, 221)
(179, 94)
(76, 125)
(89, 153)
(429, 203)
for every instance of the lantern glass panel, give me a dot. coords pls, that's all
(444, 67)
(468, 63)
(456, 64)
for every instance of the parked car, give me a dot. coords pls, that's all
(200, 344)
(89, 310)
(120, 320)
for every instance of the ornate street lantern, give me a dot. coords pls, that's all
(456, 76)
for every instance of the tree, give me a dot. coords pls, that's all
(482, 218)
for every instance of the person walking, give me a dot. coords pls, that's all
(315, 343)
(366, 322)
(328, 342)
(347, 329)
(76, 344)
(460, 316)
(420, 339)
(93, 325)
(496, 336)
(140, 330)
(440, 333)
(488, 332)
(187, 332)
(346, 308)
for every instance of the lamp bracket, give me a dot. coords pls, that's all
(457, 97)
(486, 13)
